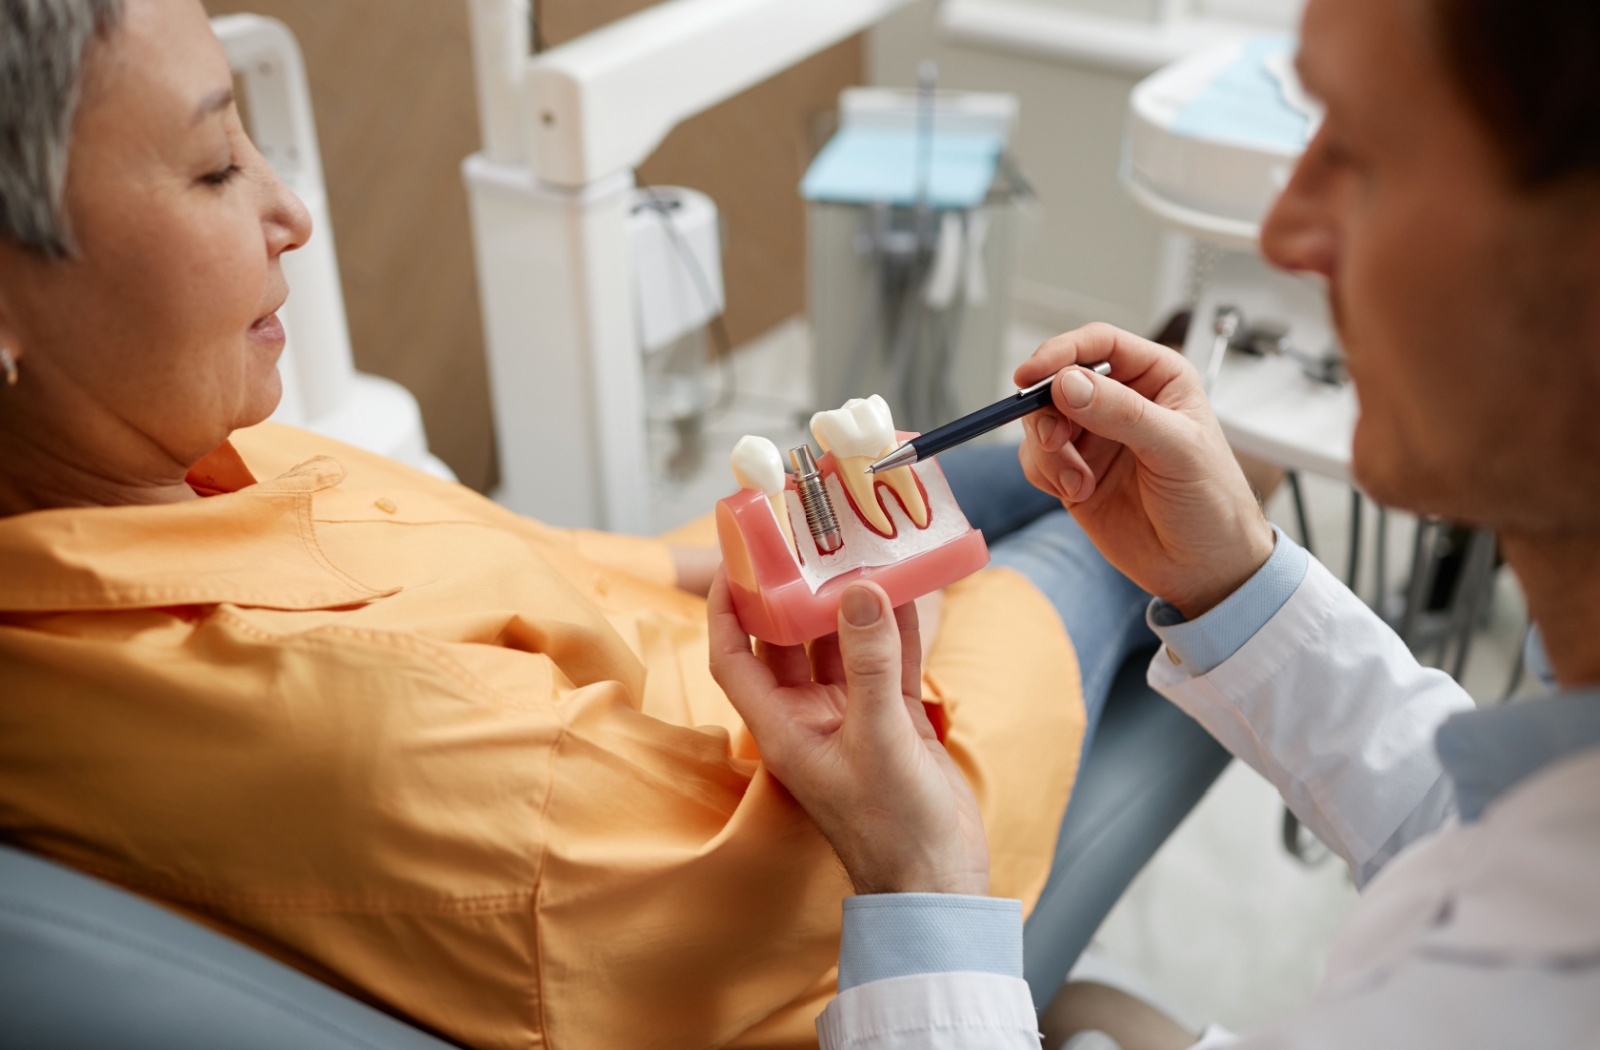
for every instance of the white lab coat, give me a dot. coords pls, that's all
(1484, 935)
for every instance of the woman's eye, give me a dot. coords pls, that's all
(222, 177)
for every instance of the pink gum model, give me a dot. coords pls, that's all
(770, 593)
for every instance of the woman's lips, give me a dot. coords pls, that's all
(269, 330)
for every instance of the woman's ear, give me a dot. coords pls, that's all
(11, 336)
(11, 350)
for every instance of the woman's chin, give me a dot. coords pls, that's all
(262, 400)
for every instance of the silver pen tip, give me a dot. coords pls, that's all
(898, 458)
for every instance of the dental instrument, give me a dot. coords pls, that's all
(814, 498)
(942, 439)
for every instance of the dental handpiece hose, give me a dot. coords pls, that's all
(942, 439)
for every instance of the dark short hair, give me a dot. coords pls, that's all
(1531, 71)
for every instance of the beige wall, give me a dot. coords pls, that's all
(1093, 255)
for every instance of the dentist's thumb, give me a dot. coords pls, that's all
(869, 648)
(1107, 408)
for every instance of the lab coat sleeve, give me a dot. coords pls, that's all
(932, 1011)
(1328, 704)
(1201, 644)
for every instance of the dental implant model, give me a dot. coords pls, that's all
(793, 542)
(814, 500)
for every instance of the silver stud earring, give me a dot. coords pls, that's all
(8, 366)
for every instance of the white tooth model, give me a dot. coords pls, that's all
(758, 465)
(859, 434)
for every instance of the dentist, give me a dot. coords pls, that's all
(1451, 202)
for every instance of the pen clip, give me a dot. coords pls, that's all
(1101, 369)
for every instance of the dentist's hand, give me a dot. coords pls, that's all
(1140, 460)
(843, 728)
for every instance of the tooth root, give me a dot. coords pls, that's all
(780, 508)
(904, 485)
(863, 488)
(863, 491)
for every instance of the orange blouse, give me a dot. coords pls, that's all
(468, 767)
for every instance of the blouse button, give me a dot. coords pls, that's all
(386, 505)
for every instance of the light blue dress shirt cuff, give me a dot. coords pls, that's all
(902, 934)
(1203, 644)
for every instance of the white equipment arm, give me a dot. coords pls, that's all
(550, 193)
(603, 103)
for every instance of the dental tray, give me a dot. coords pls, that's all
(787, 594)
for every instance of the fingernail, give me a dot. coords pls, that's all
(1076, 388)
(1046, 425)
(860, 607)
(1070, 481)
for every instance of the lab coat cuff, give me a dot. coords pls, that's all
(935, 1011)
(1200, 645)
(902, 934)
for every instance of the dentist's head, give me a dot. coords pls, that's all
(140, 238)
(1452, 201)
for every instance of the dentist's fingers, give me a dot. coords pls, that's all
(1109, 409)
(827, 661)
(1062, 473)
(1147, 367)
(908, 623)
(875, 668)
(747, 681)
(827, 665)
(789, 663)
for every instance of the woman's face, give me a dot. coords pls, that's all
(159, 337)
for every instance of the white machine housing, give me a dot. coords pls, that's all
(551, 195)
(1220, 191)
(676, 244)
(1215, 190)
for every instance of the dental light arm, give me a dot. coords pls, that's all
(604, 102)
(501, 48)
(550, 197)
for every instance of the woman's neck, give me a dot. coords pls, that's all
(45, 474)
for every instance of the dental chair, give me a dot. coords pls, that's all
(84, 964)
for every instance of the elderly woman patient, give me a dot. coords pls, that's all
(466, 766)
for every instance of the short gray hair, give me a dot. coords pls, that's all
(42, 43)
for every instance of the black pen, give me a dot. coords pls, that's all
(942, 439)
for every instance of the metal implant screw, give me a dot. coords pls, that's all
(814, 499)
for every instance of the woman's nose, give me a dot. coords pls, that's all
(288, 221)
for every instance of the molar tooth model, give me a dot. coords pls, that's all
(786, 580)
(858, 435)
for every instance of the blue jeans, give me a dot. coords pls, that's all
(1030, 532)
(1151, 762)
